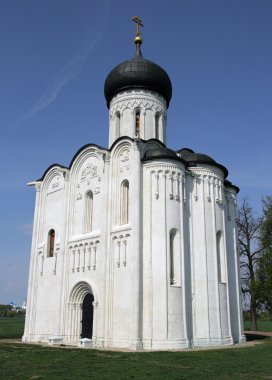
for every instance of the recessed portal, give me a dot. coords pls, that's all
(87, 316)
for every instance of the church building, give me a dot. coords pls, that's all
(135, 245)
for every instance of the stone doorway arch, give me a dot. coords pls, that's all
(87, 317)
(82, 307)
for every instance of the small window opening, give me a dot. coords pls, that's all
(51, 236)
(124, 209)
(157, 134)
(137, 123)
(174, 258)
(220, 257)
(118, 118)
(89, 211)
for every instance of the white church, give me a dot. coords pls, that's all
(135, 245)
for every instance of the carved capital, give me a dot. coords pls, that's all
(38, 186)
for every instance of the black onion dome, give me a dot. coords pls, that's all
(160, 152)
(193, 159)
(138, 73)
(230, 184)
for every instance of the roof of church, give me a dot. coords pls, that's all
(138, 73)
(193, 159)
(227, 183)
(161, 152)
(186, 155)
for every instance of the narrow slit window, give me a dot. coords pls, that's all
(174, 258)
(157, 132)
(89, 211)
(124, 209)
(51, 245)
(137, 122)
(220, 257)
(118, 118)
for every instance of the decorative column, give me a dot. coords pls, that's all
(136, 341)
(31, 303)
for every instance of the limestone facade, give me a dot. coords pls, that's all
(152, 239)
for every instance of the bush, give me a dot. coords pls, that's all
(264, 316)
(4, 309)
(11, 313)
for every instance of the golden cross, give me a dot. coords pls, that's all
(138, 23)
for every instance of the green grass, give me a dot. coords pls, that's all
(21, 361)
(12, 327)
(25, 361)
(261, 325)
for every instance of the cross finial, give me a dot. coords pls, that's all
(138, 39)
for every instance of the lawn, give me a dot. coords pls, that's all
(21, 361)
(26, 361)
(261, 325)
(12, 327)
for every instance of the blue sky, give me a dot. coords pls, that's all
(55, 56)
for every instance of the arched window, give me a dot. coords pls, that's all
(89, 211)
(51, 243)
(220, 257)
(157, 126)
(124, 202)
(174, 258)
(137, 122)
(117, 124)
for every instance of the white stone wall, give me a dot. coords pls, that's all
(210, 301)
(233, 263)
(46, 274)
(162, 267)
(119, 291)
(152, 108)
(164, 319)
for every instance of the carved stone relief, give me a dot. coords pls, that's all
(90, 171)
(124, 160)
(120, 242)
(137, 101)
(83, 255)
(56, 184)
(78, 196)
(172, 176)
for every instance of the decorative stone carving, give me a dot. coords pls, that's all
(120, 242)
(66, 175)
(41, 258)
(132, 100)
(124, 156)
(118, 254)
(83, 254)
(78, 196)
(56, 184)
(124, 160)
(89, 172)
(38, 186)
(176, 181)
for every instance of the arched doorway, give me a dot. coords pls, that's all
(87, 316)
(82, 312)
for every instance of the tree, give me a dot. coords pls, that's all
(4, 309)
(264, 271)
(249, 232)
